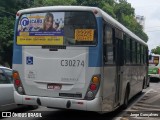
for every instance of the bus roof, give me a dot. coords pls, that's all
(50, 8)
(106, 17)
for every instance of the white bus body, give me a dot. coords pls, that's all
(154, 66)
(91, 72)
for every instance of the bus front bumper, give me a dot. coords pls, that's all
(60, 103)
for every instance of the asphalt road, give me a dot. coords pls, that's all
(146, 106)
(149, 100)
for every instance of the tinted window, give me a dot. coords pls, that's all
(108, 45)
(3, 78)
(8, 74)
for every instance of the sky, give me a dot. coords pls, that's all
(150, 9)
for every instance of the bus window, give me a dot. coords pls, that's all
(57, 28)
(154, 61)
(128, 50)
(108, 46)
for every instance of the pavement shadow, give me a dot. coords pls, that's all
(154, 80)
(85, 115)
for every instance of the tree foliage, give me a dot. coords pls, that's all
(125, 14)
(121, 10)
(8, 9)
(156, 50)
(40, 3)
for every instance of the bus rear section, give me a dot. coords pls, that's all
(57, 67)
(154, 66)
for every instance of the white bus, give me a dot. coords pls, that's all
(86, 60)
(154, 66)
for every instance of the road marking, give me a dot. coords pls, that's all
(153, 99)
(142, 108)
(147, 105)
(139, 105)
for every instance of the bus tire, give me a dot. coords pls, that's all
(125, 103)
(148, 84)
(143, 86)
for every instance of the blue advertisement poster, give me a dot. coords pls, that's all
(41, 29)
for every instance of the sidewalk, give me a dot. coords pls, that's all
(148, 108)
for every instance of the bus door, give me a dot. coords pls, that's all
(112, 59)
(119, 72)
(118, 37)
(109, 69)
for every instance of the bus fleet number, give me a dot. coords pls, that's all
(72, 63)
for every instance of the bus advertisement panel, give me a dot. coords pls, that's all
(41, 29)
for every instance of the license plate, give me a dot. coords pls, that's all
(54, 86)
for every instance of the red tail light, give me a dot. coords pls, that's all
(17, 82)
(93, 87)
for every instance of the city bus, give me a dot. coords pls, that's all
(154, 66)
(89, 61)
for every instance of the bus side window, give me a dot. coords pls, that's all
(127, 50)
(108, 47)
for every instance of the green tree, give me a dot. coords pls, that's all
(6, 39)
(8, 9)
(125, 14)
(122, 11)
(106, 5)
(156, 50)
(39, 3)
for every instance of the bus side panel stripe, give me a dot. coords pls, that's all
(95, 53)
(17, 50)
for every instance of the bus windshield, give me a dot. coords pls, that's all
(154, 61)
(57, 28)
